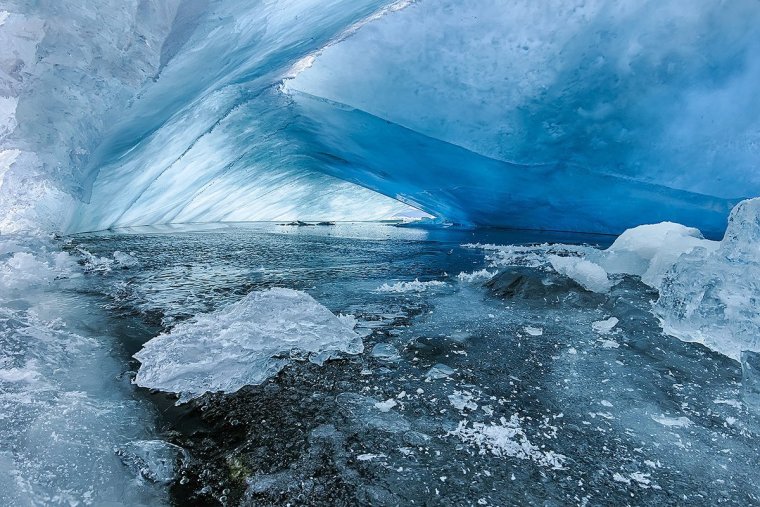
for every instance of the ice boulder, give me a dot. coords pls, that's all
(712, 295)
(649, 251)
(244, 344)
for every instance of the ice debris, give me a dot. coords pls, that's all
(413, 286)
(506, 439)
(244, 343)
(709, 291)
(604, 326)
(439, 371)
(533, 331)
(385, 352)
(153, 460)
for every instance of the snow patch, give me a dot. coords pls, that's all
(414, 286)
(506, 439)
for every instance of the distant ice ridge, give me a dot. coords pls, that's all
(244, 344)
(709, 291)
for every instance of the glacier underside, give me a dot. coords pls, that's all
(585, 116)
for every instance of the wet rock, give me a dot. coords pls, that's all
(537, 284)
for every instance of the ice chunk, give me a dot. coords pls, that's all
(476, 276)
(439, 371)
(154, 460)
(533, 331)
(604, 326)
(385, 406)
(712, 295)
(672, 422)
(414, 286)
(242, 344)
(461, 400)
(125, 260)
(589, 275)
(649, 251)
(385, 352)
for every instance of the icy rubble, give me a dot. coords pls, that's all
(244, 343)
(709, 291)
(506, 438)
(63, 406)
(414, 286)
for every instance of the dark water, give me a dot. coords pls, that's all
(537, 407)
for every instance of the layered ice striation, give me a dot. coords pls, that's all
(583, 115)
(587, 116)
(244, 344)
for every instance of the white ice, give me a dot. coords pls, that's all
(244, 344)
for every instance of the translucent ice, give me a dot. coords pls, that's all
(589, 275)
(244, 344)
(712, 295)
(153, 460)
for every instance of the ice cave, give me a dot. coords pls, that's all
(379, 252)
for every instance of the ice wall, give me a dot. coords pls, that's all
(583, 115)
(593, 115)
(67, 68)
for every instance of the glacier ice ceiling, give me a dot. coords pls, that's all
(587, 116)
(588, 334)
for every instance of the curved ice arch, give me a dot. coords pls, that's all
(591, 116)
(581, 115)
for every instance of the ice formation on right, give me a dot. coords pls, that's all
(712, 296)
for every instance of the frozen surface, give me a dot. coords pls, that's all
(64, 403)
(708, 290)
(244, 344)
(599, 417)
